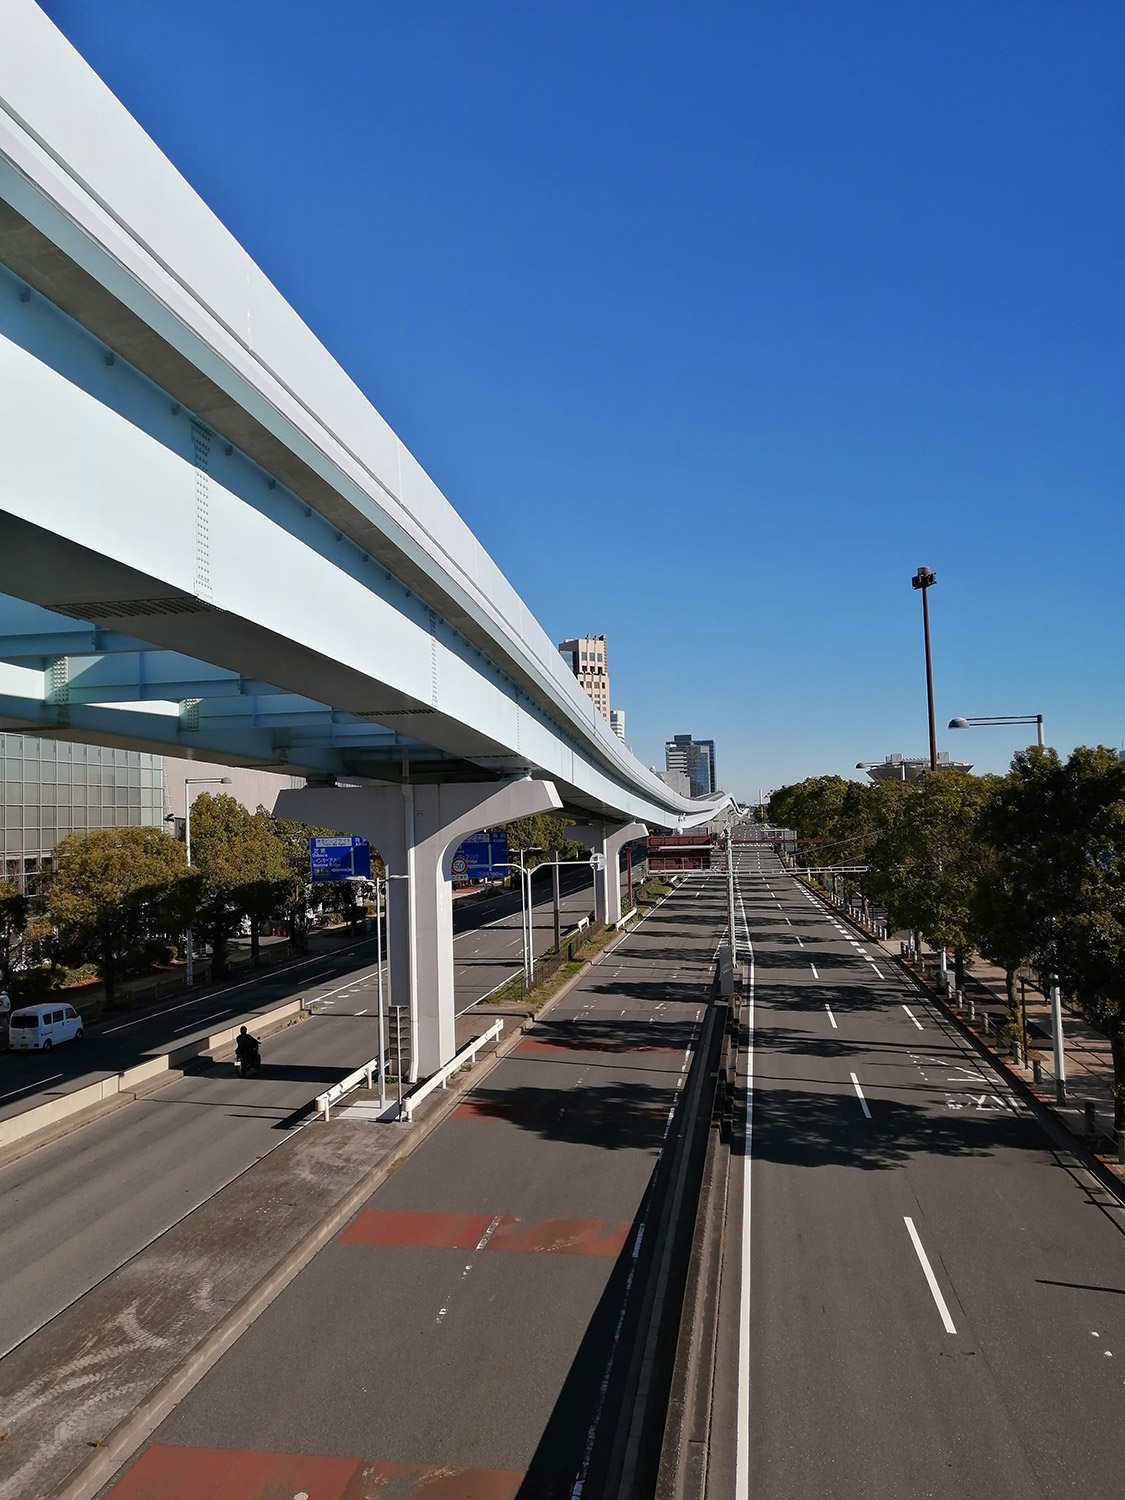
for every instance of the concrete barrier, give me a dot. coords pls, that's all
(39, 1116)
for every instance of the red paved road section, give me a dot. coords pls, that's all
(465, 1232)
(167, 1473)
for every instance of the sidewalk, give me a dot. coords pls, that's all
(1089, 1064)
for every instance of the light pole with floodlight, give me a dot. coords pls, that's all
(925, 581)
(988, 720)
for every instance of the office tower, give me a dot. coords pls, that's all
(588, 659)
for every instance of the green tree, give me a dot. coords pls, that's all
(836, 821)
(114, 891)
(1063, 830)
(240, 866)
(925, 861)
(540, 837)
(15, 910)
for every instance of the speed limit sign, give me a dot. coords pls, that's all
(460, 865)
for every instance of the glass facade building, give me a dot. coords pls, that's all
(52, 788)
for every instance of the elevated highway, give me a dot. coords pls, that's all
(211, 544)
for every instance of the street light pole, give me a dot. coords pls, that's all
(988, 720)
(189, 938)
(730, 900)
(925, 580)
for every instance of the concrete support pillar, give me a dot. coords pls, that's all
(416, 830)
(607, 839)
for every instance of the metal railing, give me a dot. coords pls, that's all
(364, 1075)
(440, 1078)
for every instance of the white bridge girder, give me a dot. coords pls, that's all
(186, 470)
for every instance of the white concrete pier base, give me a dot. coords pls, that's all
(607, 839)
(416, 830)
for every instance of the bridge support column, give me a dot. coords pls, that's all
(607, 839)
(416, 830)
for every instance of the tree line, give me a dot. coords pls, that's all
(1025, 869)
(116, 901)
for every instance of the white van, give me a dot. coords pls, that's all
(38, 1027)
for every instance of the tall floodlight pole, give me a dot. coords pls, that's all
(730, 899)
(925, 581)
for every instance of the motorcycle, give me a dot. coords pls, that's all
(250, 1059)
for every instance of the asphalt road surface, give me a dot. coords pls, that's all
(487, 951)
(937, 1294)
(463, 1336)
(75, 1210)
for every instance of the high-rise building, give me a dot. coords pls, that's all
(588, 659)
(696, 759)
(617, 722)
(53, 788)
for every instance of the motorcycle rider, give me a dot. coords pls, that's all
(247, 1050)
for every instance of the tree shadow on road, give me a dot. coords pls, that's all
(612, 1116)
(806, 1128)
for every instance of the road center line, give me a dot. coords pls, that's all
(931, 1279)
(862, 1100)
(815, 975)
(913, 1017)
(831, 1017)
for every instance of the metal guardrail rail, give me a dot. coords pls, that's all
(363, 1076)
(440, 1078)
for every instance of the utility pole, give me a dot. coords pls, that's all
(558, 907)
(925, 580)
(730, 900)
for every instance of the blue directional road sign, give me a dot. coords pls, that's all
(340, 858)
(482, 856)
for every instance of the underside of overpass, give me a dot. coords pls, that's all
(212, 545)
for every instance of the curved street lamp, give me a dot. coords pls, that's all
(1036, 719)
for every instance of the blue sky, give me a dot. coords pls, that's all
(714, 321)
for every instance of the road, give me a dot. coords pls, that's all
(937, 1293)
(75, 1210)
(467, 1333)
(487, 951)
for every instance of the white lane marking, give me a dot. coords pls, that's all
(742, 1425)
(877, 969)
(364, 1011)
(862, 1100)
(815, 975)
(38, 1084)
(831, 1017)
(931, 1279)
(191, 1025)
(913, 1017)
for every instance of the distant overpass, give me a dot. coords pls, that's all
(212, 545)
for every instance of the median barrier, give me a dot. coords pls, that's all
(39, 1116)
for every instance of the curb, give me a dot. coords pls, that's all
(84, 1482)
